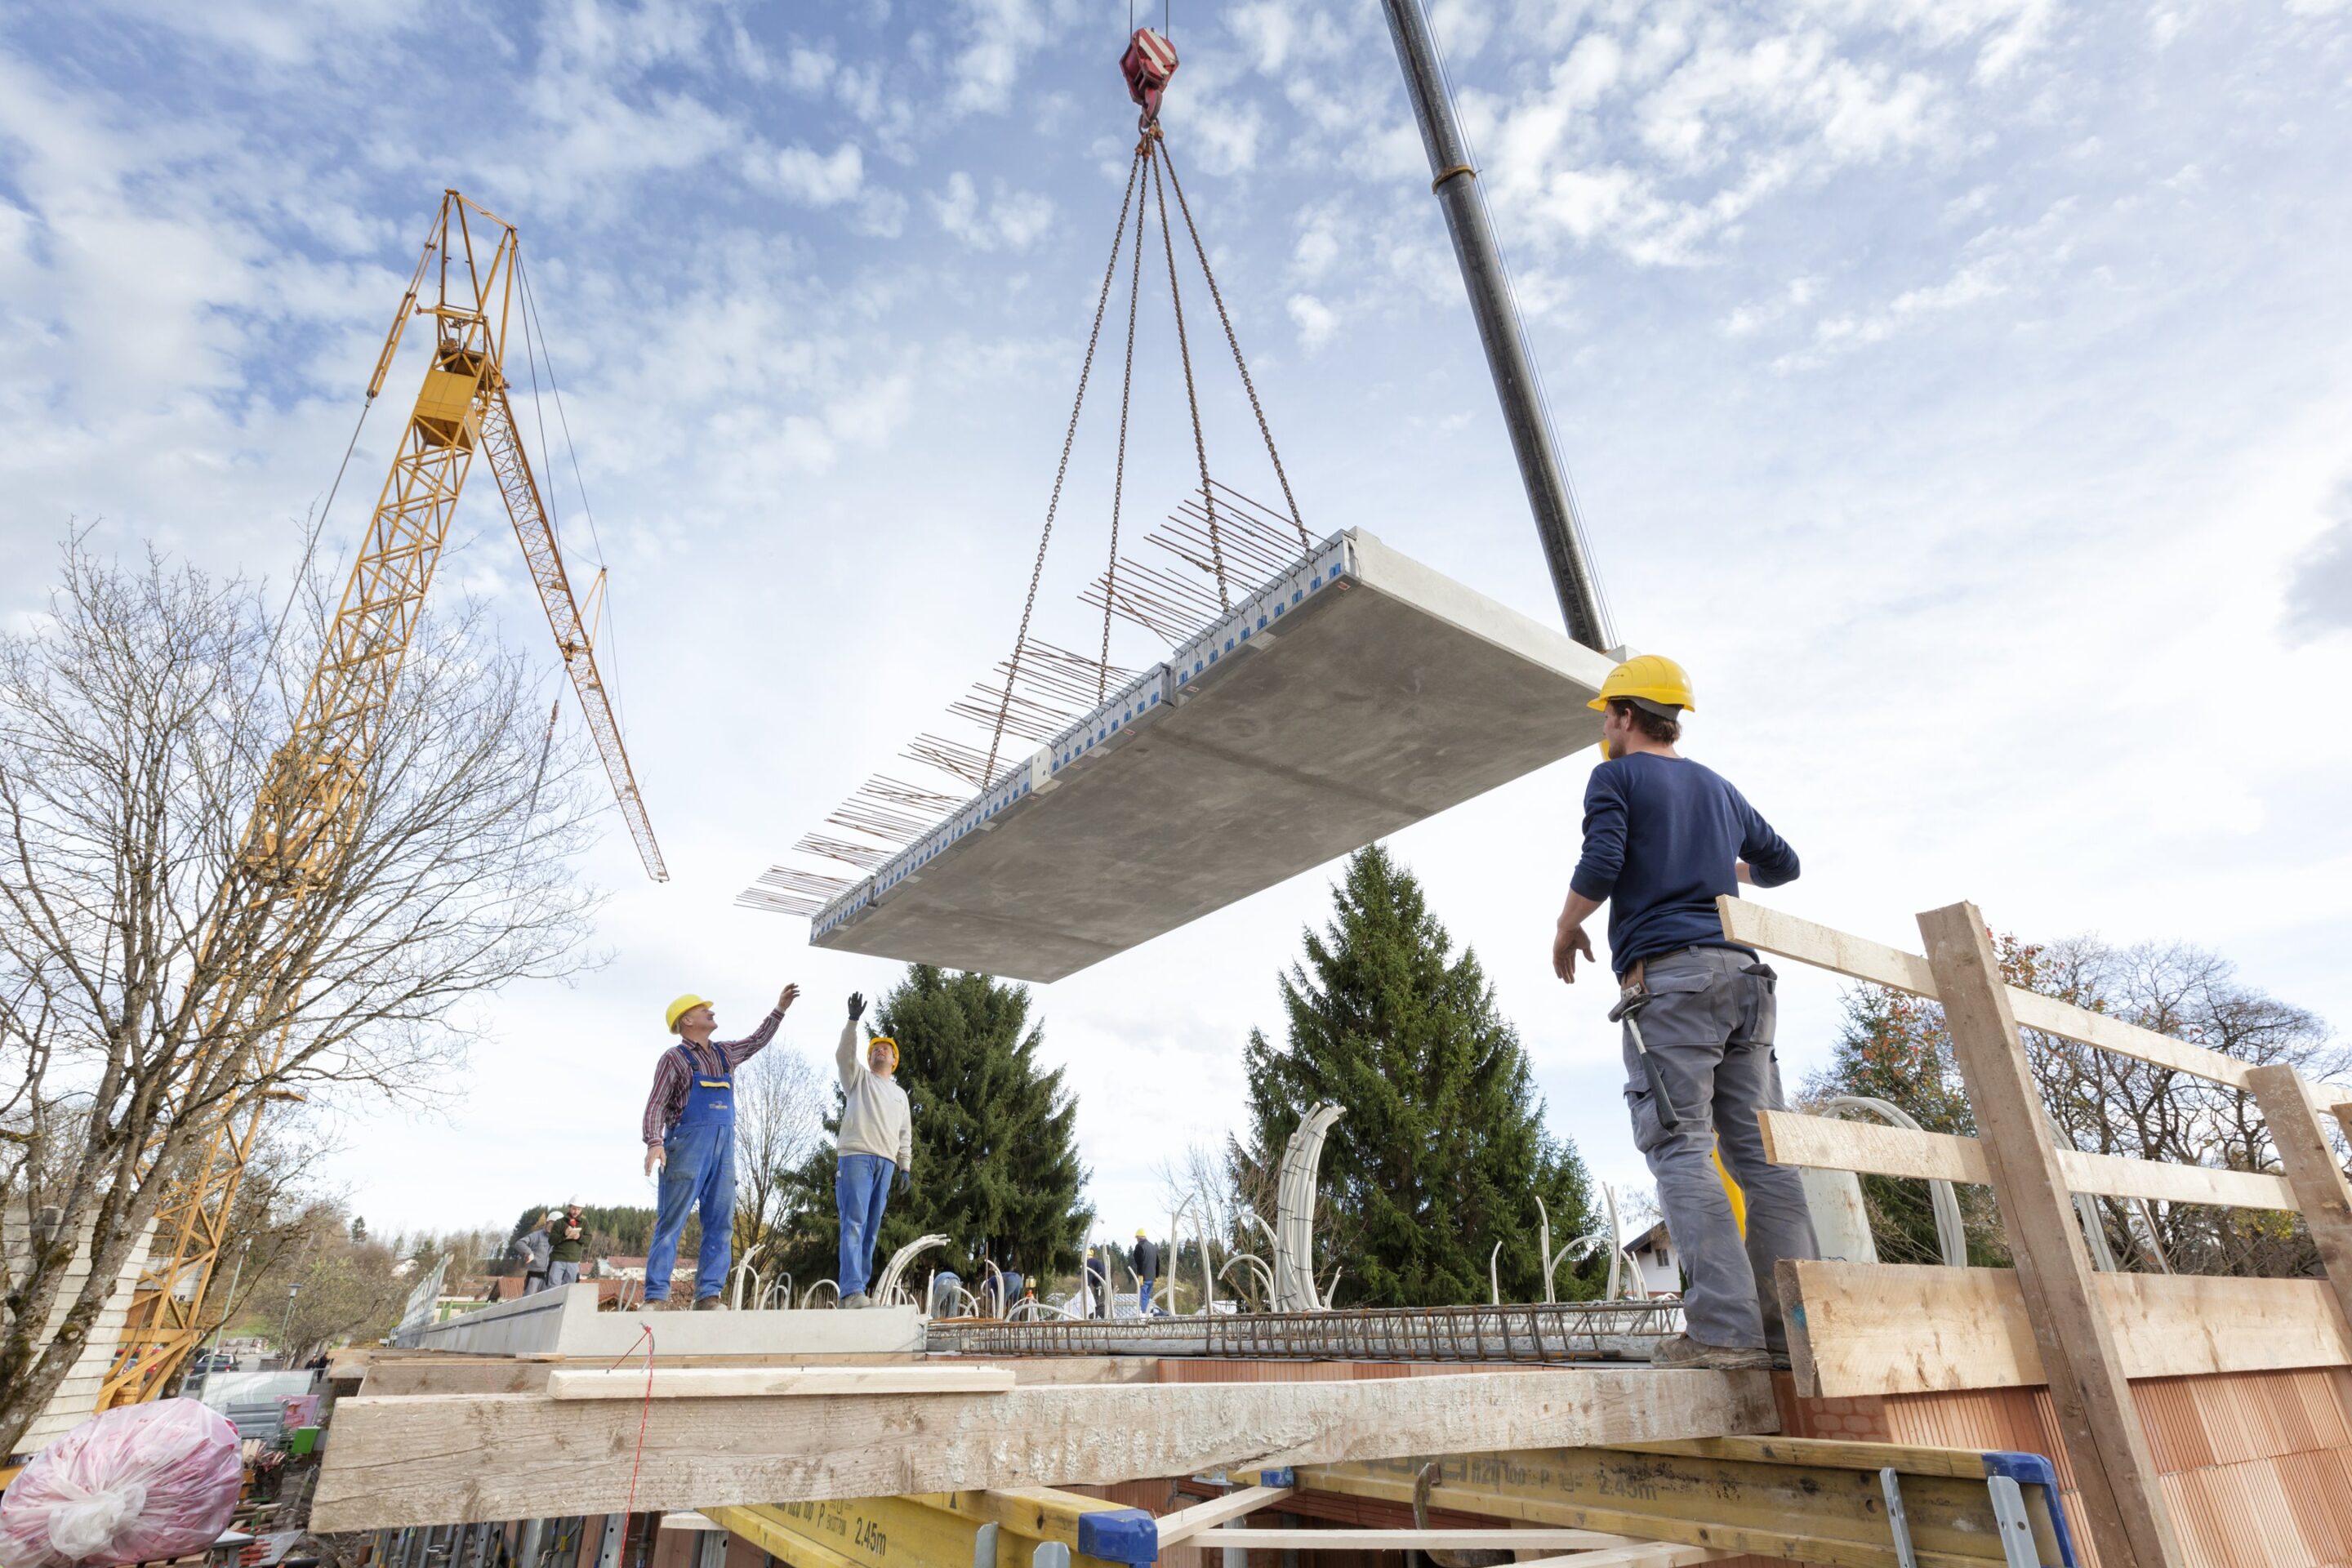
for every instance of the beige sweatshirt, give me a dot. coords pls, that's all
(875, 1118)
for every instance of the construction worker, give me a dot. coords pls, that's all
(1144, 1258)
(568, 1244)
(1097, 1273)
(531, 1247)
(690, 1133)
(1663, 837)
(877, 1144)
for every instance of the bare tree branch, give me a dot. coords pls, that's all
(159, 975)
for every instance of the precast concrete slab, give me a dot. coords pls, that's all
(566, 1323)
(1357, 694)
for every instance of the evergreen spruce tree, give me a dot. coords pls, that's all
(1442, 1151)
(996, 1163)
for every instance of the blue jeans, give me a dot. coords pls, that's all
(1143, 1300)
(861, 1190)
(697, 1169)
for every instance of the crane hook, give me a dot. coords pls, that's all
(1150, 61)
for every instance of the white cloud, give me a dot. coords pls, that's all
(1280, 35)
(808, 70)
(813, 179)
(1747, 321)
(276, 33)
(1008, 220)
(1978, 280)
(1318, 323)
(1318, 247)
(998, 35)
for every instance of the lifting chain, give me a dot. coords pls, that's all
(1149, 63)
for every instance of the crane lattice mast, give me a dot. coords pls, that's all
(309, 808)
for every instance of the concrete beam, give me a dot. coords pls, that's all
(565, 1322)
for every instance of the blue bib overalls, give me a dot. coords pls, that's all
(698, 1171)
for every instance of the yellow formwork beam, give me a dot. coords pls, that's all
(944, 1530)
(1810, 1500)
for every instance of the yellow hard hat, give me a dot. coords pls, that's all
(1139, 1233)
(886, 1040)
(1651, 678)
(680, 1009)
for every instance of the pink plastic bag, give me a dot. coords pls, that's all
(128, 1485)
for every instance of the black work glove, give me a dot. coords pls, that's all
(857, 1005)
(905, 1180)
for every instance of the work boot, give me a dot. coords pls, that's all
(1681, 1350)
(709, 1304)
(852, 1303)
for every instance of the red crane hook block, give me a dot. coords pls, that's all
(1150, 61)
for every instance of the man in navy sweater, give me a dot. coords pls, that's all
(1663, 837)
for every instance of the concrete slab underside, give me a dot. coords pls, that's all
(1369, 707)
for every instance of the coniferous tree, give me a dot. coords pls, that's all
(996, 1163)
(1442, 1151)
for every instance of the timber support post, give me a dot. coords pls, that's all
(2320, 1189)
(2096, 1419)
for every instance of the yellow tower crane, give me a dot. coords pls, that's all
(307, 808)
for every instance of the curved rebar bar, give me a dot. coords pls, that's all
(1951, 1232)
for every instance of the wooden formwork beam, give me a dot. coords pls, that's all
(1806, 1500)
(1861, 1328)
(2320, 1188)
(447, 1457)
(2123, 1511)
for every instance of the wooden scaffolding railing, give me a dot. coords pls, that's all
(2089, 1333)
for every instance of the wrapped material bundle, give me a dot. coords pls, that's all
(128, 1485)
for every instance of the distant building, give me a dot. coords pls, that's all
(1661, 1267)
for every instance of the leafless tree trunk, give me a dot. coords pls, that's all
(151, 973)
(781, 1101)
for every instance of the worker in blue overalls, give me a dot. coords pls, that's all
(690, 1133)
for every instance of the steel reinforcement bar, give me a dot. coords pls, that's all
(1536, 1332)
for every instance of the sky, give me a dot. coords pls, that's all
(1961, 389)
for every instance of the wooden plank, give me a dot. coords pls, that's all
(2123, 1512)
(1775, 931)
(1647, 1554)
(1039, 1513)
(772, 1534)
(1827, 1453)
(897, 1532)
(1785, 1507)
(772, 1381)
(1187, 1522)
(1826, 1143)
(459, 1373)
(418, 1459)
(1823, 1143)
(2327, 1198)
(1416, 1539)
(1793, 1317)
(1880, 1329)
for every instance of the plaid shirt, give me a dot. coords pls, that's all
(667, 1103)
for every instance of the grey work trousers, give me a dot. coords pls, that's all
(1709, 1026)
